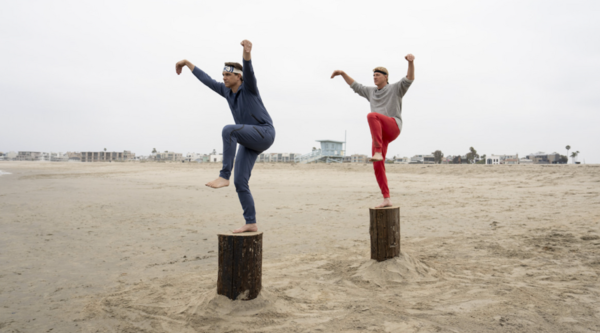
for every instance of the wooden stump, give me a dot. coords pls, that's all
(385, 233)
(240, 265)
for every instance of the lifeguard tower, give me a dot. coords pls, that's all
(331, 152)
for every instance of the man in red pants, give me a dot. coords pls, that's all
(385, 119)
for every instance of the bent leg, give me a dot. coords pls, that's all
(376, 131)
(243, 170)
(390, 131)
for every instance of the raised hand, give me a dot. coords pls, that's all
(247, 45)
(409, 57)
(336, 73)
(179, 66)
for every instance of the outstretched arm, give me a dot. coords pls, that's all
(347, 78)
(217, 87)
(411, 66)
(179, 66)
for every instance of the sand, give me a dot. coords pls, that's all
(132, 247)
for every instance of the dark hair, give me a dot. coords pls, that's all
(236, 65)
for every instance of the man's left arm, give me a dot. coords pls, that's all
(411, 66)
(410, 76)
(248, 71)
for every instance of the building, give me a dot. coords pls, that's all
(401, 160)
(215, 158)
(422, 159)
(277, 157)
(356, 158)
(73, 156)
(10, 156)
(195, 157)
(502, 159)
(28, 156)
(105, 156)
(543, 158)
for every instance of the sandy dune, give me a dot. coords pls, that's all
(130, 247)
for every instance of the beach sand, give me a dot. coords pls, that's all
(132, 247)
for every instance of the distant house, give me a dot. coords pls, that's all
(106, 156)
(10, 156)
(422, 159)
(28, 155)
(543, 158)
(358, 158)
(277, 157)
(401, 160)
(215, 158)
(502, 159)
(417, 159)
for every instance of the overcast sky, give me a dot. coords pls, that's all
(502, 76)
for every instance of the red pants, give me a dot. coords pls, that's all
(384, 130)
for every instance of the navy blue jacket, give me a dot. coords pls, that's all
(246, 105)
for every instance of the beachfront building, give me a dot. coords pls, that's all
(195, 157)
(422, 159)
(215, 158)
(10, 156)
(168, 156)
(28, 156)
(276, 157)
(106, 156)
(331, 151)
(543, 158)
(356, 158)
(73, 156)
(502, 159)
(525, 160)
(401, 160)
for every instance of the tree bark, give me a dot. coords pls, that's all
(240, 265)
(385, 233)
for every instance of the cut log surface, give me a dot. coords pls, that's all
(240, 265)
(385, 232)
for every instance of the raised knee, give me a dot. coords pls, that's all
(371, 115)
(227, 130)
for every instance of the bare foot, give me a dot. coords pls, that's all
(376, 157)
(246, 228)
(218, 183)
(386, 203)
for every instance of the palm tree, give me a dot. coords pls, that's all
(574, 155)
(153, 150)
(567, 148)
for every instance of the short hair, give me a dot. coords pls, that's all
(236, 65)
(383, 69)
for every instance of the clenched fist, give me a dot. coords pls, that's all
(247, 45)
(409, 57)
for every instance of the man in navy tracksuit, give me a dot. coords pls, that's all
(253, 128)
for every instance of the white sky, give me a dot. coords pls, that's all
(503, 76)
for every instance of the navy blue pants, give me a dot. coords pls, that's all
(253, 140)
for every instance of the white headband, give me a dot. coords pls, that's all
(231, 69)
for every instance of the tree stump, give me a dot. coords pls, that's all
(240, 265)
(385, 233)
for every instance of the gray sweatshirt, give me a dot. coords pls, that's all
(387, 101)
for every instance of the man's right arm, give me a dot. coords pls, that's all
(357, 87)
(217, 87)
(346, 77)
